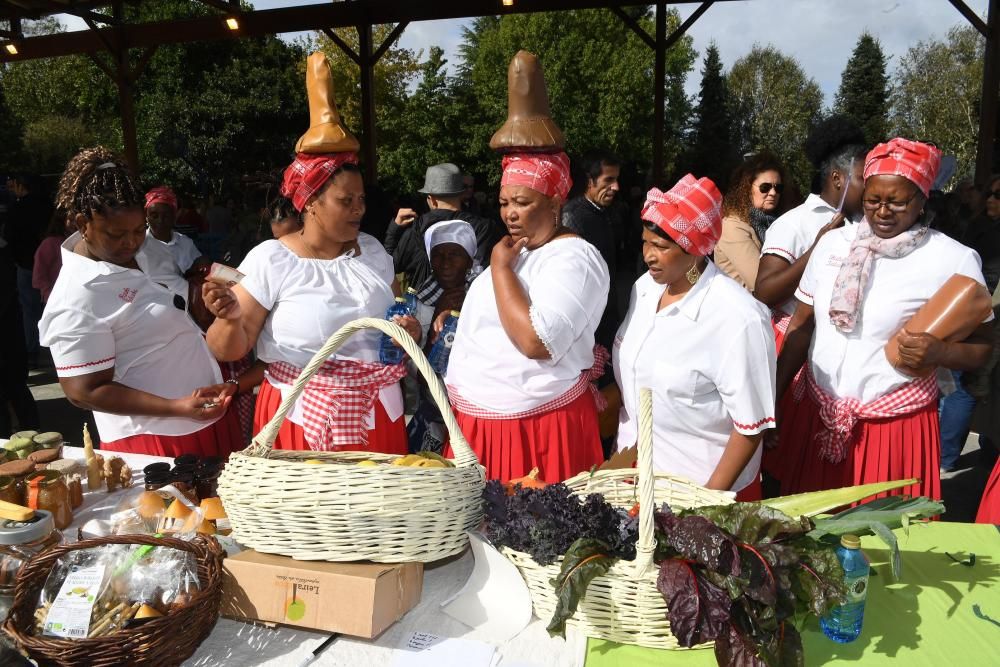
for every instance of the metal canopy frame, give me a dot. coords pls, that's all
(109, 34)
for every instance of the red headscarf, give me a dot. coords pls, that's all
(161, 194)
(914, 161)
(547, 173)
(690, 213)
(306, 175)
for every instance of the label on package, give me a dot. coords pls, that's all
(70, 613)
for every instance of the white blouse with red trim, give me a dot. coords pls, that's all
(853, 365)
(709, 360)
(103, 316)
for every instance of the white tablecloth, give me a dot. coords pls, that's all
(237, 643)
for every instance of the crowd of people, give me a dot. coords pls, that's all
(759, 320)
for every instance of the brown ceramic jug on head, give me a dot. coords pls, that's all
(954, 312)
(326, 133)
(529, 126)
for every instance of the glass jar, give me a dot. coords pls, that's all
(9, 491)
(20, 541)
(47, 491)
(206, 483)
(20, 471)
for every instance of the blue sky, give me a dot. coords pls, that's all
(819, 33)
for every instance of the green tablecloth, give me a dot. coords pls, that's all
(926, 618)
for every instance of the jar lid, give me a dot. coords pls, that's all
(18, 468)
(44, 455)
(850, 541)
(22, 532)
(157, 467)
(186, 459)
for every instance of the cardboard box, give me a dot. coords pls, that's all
(359, 599)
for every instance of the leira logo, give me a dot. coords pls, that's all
(128, 295)
(295, 609)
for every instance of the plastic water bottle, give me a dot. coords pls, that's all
(411, 300)
(389, 352)
(441, 349)
(843, 623)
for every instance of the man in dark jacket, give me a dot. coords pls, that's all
(27, 218)
(404, 240)
(592, 216)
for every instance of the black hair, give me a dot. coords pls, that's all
(832, 143)
(593, 163)
(282, 208)
(96, 180)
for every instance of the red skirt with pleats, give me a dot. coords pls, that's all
(989, 506)
(218, 439)
(750, 493)
(774, 458)
(560, 443)
(388, 437)
(878, 451)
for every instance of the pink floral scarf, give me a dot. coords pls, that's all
(845, 304)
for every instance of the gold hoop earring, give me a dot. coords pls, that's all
(693, 273)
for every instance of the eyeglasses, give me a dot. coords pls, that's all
(995, 194)
(873, 205)
(766, 187)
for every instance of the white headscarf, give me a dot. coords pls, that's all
(451, 231)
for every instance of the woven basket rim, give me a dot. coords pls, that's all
(21, 614)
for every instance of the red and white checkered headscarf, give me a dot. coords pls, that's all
(690, 213)
(547, 173)
(161, 194)
(307, 174)
(914, 161)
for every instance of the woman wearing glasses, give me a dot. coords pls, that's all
(860, 419)
(752, 203)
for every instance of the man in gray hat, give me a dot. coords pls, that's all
(444, 187)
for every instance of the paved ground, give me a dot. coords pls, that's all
(961, 489)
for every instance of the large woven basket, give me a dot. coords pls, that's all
(623, 605)
(340, 511)
(161, 642)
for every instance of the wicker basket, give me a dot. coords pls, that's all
(279, 504)
(624, 604)
(161, 642)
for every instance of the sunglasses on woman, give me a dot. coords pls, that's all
(767, 187)
(995, 194)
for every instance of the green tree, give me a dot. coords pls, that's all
(11, 129)
(429, 128)
(773, 104)
(599, 78)
(711, 153)
(936, 95)
(864, 89)
(50, 141)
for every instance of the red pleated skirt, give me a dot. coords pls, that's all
(388, 437)
(218, 439)
(750, 493)
(878, 451)
(560, 442)
(773, 458)
(989, 506)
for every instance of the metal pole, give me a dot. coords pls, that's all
(365, 51)
(988, 108)
(659, 83)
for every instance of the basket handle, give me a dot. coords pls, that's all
(647, 485)
(263, 442)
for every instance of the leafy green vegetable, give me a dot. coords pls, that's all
(878, 517)
(585, 560)
(817, 502)
(752, 522)
(698, 610)
(695, 538)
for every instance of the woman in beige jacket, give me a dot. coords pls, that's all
(752, 203)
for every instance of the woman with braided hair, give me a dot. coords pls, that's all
(122, 343)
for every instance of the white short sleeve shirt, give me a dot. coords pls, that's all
(181, 248)
(567, 283)
(709, 360)
(156, 261)
(792, 234)
(853, 365)
(103, 316)
(310, 299)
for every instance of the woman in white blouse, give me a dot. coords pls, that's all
(122, 342)
(297, 292)
(701, 343)
(860, 419)
(520, 370)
